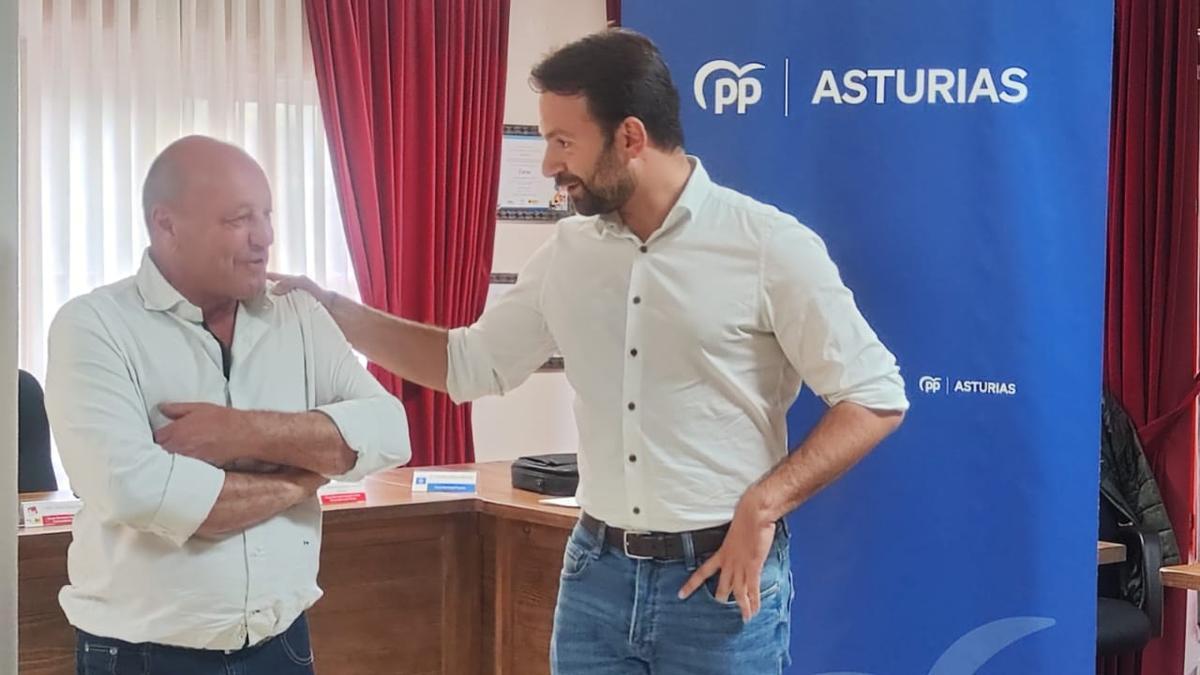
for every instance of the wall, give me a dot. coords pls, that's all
(536, 417)
(8, 336)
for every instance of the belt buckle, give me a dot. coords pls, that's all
(625, 537)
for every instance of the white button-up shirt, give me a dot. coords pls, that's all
(685, 351)
(136, 572)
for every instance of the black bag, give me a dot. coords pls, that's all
(555, 475)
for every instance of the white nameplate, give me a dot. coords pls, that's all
(444, 481)
(48, 513)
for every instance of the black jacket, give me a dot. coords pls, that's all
(1127, 485)
(35, 471)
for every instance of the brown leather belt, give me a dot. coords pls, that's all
(661, 546)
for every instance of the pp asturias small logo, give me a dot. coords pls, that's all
(930, 384)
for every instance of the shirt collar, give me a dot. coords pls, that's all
(697, 189)
(158, 295)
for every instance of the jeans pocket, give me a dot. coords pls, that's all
(579, 553)
(767, 589)
(769, 581)
(95, 658)
(296, 644)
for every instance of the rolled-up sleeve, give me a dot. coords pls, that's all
(819, 326)
(508, 343)
(371, 421)
(105, 440)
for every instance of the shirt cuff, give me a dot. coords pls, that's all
(883, 394)
(191, 492)
(375, 429)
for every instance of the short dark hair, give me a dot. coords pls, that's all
(621, 74)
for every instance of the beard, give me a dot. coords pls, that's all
(609, 188)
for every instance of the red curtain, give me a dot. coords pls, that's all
(613, 8)
(1150, 356)
(413, 98)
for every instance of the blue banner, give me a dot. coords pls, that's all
(953, 156)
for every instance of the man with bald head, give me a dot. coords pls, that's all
(196, 416)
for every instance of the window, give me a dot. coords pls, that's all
(106, 84)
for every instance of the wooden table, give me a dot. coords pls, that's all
(1110, 552)
(1182, 576)
(414, 583)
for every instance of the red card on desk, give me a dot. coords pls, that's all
(342, 493)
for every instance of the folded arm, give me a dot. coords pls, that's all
(247, 499)
(355, 428)
(106, 443)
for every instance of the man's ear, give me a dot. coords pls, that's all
(631, 137)
(162, 223)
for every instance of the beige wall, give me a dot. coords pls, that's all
(535, 418)
(8, 337)
(535, 28)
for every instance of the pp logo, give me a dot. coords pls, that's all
(729, 90)
(421, 480)
(930, 384)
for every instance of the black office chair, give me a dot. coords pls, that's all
(1125, 625)
(35, 471)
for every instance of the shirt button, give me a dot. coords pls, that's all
(633, 352)
(643, 249)
(637, 299)
(633, 458)
(632, 405)
(636, 510)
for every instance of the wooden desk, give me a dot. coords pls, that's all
(1182, 576)
(1110, 552)
(414, 583)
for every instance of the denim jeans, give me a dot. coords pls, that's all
(289, 653)
(620, 616)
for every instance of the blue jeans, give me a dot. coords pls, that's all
(289, 653)
(619, 616)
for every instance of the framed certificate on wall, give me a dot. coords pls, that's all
(525, 194)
